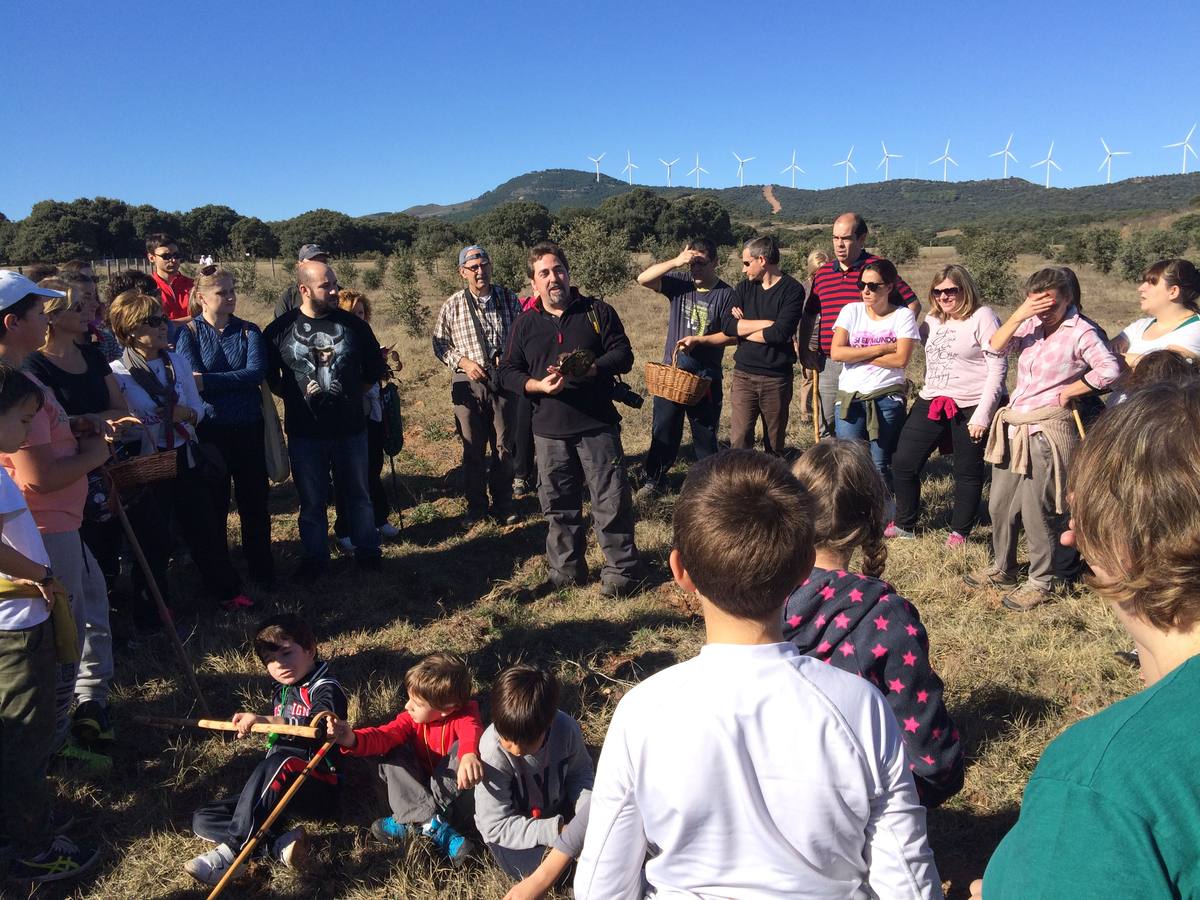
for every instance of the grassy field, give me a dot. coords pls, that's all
(1013, 681)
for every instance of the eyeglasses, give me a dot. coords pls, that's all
(169, 255)
(871, 286)
(155, 321)
(478, 267)
(945, 292)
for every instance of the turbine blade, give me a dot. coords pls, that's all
(1171, 146)
(1105, 146)
(801, 171)
(950, 159)
(1056, 165)
(997, 153)
(1121, 152)
(704, 171)
(748, 158)
(1103, 164)
(1190, 133)
(1010, 156)
(851, 165)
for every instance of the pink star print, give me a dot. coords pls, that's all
(911, 629)
(847, 649)
(823, 647)
(937, 733)
(927, 759)
(885, 598)
(821, 620)
(828, 592)
(923, 697)
(910, 659)
(841, 573)
(879, 650)
(910, 724)
(895, 685)
(881, 623)
(795, 621)
(842, 621)
(855, 595)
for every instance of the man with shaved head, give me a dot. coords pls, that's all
(834, 285)
(321, 360)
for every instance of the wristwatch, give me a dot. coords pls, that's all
(48, 577)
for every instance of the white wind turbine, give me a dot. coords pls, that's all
(596, 160)
(1187, 148)
(668, 165)
(883, 163)
(1005, 151)
(849, 165)
(793, 168)
(629, 167)
(741, 168)
(946, 161)
(1048, 162)
(1108, 158)
(697, 170)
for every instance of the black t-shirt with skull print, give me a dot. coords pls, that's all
(322, 368)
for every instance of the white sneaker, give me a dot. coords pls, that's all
(291, 849)
(345, 545)
(387, 531)
(210, 867)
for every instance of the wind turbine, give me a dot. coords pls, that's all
(596, 160)
(793, 168)
(946, 162)
(849, 165)
(741, 167)
(1005, 152)
(697, 170)
(883, 163)
(1108, 158)
(668, 165)
(1048, 162)
(1187, 148)
(629, 167)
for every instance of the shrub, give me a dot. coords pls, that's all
(899, 245)
(600, 264)
(1143, 249)
(990, 257)
(405, 298)
(1103, 246)
(372, 278)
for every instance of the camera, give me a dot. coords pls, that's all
(623, 393)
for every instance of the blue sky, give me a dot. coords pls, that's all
(275, 108)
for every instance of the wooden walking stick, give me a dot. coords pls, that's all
(1078, 421)
(279, 807)
(303, 731)
(818, 413)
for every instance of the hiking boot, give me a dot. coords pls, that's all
(456, 847)
(291, 848)
(63, 859)
(651, 490)
(895, 531)
(1026, 597)
(90, 724)
(505, 516)
(617, 589)
(345, 545)
(388, 532)
(389, 831)
(990, 578)
(75, 760)
(521, 488)
(956, 541)
(210, 867)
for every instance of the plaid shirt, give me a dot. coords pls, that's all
(455, 335)
(1046, 365)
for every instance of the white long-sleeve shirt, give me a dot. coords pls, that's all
(754, 771)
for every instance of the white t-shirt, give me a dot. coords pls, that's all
(1186, 336)
(863, 331)
(21, 533)
(755, 772)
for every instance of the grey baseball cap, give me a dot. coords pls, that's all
(309, 251)
(466, 254)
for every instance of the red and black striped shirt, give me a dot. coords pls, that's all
(833, 287)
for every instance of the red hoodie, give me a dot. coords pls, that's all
(431, 743)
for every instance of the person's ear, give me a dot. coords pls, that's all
(680, 574)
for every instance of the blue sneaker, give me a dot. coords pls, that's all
(456, 847)
(389, 831)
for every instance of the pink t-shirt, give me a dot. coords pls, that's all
(58, 511)
(959, 363)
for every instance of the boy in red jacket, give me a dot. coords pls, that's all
(431, 755)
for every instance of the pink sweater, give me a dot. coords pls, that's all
(959, 364)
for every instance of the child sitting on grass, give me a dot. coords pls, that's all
(27, 670)
(431, 755)
(859, 623)
(287, 647)
(531, 807)
(752, 770)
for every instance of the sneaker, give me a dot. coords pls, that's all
(389, 831)
(346, 545)
(291, 848)
(990, 578)
(1130, 657)
(456, 847)
(895, 531)
(651, 490)
(90, 723)
(63, 859)
(76, 760)
(1026, 597)
(505, 516)
(388, 532)
(239, 603)
(956, 540)
(210, 867)
(521, 488)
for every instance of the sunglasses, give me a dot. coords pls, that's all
(945, 292)
(155, 321)
(872, 286)
(478, 267)
(169, 255)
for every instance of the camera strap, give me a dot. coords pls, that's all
(488, 349)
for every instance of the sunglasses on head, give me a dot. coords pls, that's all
(872, 286)
(155, 321)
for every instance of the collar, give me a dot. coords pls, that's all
(863, 259)
(318, 671)
(576, 298)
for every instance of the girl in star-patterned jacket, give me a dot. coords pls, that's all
(859, 623)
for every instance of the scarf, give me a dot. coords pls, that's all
(164, 395)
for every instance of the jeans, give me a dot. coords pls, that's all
(312, 458)
(666, 432)
(917, 442)
(891, 420)
(827, 389)
(380, 504)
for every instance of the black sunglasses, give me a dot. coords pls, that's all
(872, 286)
(155, 321)
(169, 255)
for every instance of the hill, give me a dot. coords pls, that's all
(907, 202)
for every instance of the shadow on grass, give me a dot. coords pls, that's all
(963, 843)
(992, 711)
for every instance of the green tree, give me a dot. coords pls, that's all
(335, 231)
(1188, 225)
(206, 228)
(395, 230)
(405, 298)
(8, 231)
(991, 259)
(508, 267)
(53, 232)
(692, 217)
(632, 213)
(1075, 249)
(372, 278)
(1142, 250)
(146, 219)
(434, 238)
(1103, 246)
(520, 222)
(254, 237)
(599, 260)
(898, 245)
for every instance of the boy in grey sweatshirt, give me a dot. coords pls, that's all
(537, 781)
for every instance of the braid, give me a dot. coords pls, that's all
(875, 552)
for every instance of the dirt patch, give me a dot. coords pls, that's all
(769, 196)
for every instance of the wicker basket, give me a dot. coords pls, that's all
(143, 470)
(674, 384)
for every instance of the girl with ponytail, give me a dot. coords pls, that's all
(858, 623)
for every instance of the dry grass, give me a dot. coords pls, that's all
(1013, 681)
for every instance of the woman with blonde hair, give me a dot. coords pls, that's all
(816, 259)
(964, 381)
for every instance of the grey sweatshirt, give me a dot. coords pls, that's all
(523, 800)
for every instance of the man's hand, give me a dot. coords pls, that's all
(53, 591)
(244, 721)
(470, 771)
(472, 369)
(341, 732)
(553, 383)
(685, 344)
(685, 257)
(812, 359)
(737, 313)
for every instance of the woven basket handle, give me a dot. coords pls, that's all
(675, 357)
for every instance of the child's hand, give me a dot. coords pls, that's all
(470, 771)
(244, 721)
(341, 732)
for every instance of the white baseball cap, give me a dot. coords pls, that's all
(15, 287)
